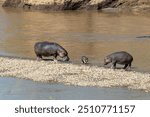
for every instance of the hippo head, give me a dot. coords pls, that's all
(64, 55)
(107, 60)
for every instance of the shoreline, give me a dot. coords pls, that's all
(71, 74)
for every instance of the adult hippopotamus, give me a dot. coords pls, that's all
(121, 57)
(46, 49)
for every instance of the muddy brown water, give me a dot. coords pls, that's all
(93, 34)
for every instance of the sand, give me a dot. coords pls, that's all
(73, 74)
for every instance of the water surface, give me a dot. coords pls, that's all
(16, 89)
(91, 33)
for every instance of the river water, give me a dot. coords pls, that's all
(93, 34)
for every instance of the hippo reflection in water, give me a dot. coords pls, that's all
(121, 57)
(47, 49)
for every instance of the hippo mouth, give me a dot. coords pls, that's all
(66, 58)
(105, 63)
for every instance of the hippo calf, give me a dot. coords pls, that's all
(46, 49)
(121, 57)
(84, 59)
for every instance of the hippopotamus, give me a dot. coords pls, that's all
(121, 57)
(84, 59)
(46, 49)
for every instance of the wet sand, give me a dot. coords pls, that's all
(72, 74)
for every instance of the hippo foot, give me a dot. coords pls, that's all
(38, 59)
(128, 69)
(55, 61)
(112, 67)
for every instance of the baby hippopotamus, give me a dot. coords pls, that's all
(46, 49)
(121, 57)
(84, 59)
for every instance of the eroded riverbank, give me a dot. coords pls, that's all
(107, 5)
(71, 74)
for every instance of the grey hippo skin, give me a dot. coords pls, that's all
(47, 49)
(84, 59)
(121, 57)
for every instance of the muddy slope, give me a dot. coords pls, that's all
(135, 5)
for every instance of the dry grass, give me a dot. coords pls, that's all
(71, 74)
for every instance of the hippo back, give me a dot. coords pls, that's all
(47, 48)
(121, 56)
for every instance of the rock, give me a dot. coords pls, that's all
(12, 3)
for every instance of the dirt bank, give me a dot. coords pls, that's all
(71, 74)
(118, 5)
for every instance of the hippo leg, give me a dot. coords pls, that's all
(126, 65)
(113, 65)
(129, 66)
(39, 57)
(55, 58)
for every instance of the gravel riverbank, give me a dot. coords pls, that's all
(72, 74)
